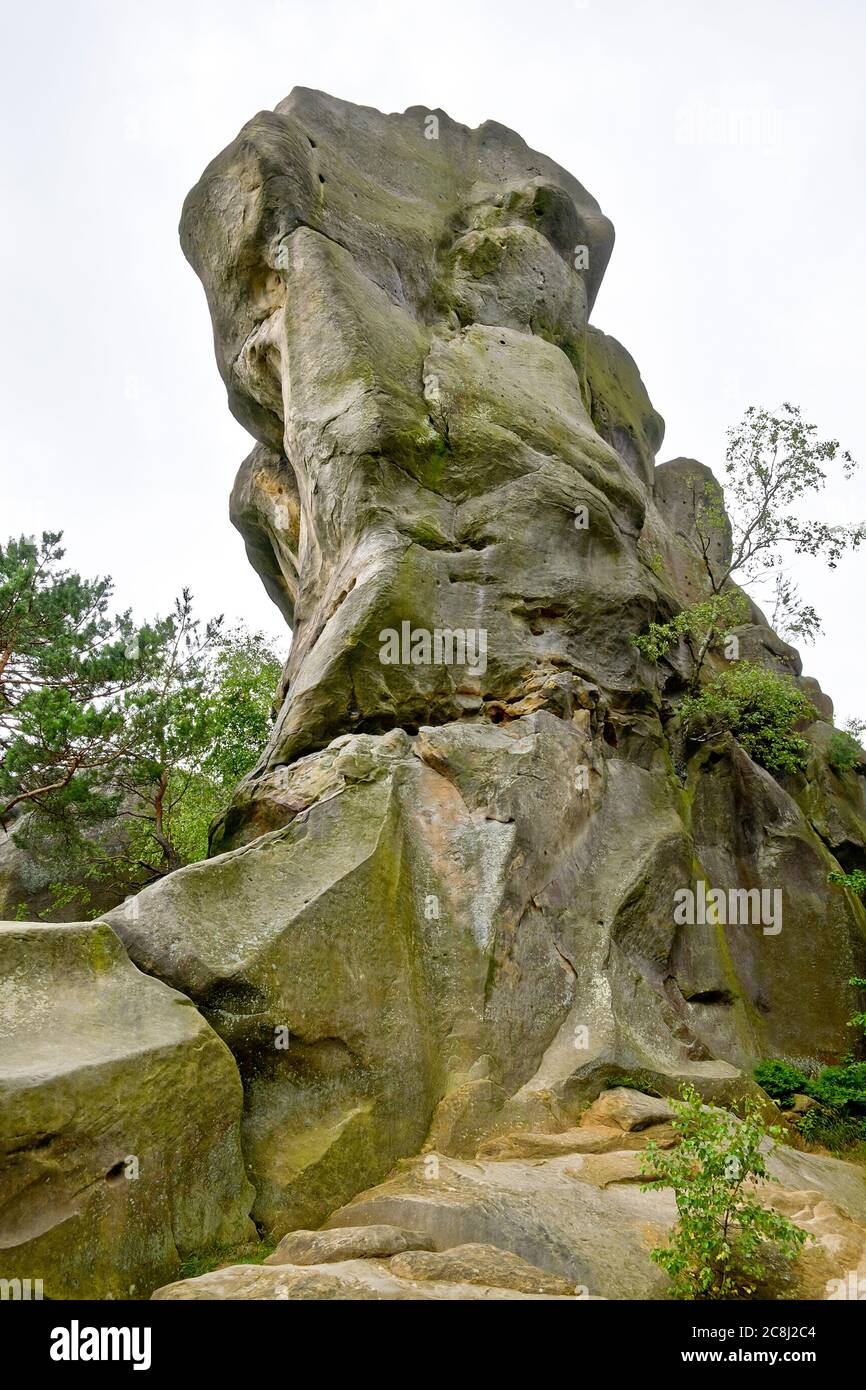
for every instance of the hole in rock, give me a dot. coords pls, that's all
(850, 855)
(711, 996)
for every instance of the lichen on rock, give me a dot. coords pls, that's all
(438, 920)
(453, 887)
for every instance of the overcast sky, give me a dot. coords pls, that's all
(725, 140)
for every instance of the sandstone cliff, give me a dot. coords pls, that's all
(438, 913)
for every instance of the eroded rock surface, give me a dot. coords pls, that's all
(401, 322)
(440, 911)
(350, 1281)
(119, 1119)
(438, 922)
(565, 1223)
(361, 1242)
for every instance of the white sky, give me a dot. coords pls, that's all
(725, 140)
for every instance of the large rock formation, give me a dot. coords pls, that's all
(561, 1218)
(119, 1119)
(444, 903)
(438, 919)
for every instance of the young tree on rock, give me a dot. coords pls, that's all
(773, 463)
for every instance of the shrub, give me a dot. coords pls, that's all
(843, 751)
(702, 627)
(723, 1238)
(760, 709)
(838, 1120)
(781, 1081)
(841, 1088)
(833, 1129)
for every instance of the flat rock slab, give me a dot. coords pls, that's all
(625, 1109)
(588, 1139)
(348, 1243)
(546, 1211)
(843, 1184)
(480, 1264)
(352, 1280)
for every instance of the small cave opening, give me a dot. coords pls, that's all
(711, 996)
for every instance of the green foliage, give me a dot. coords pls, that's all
(843, 751)
(842, 1087)
(832, 1129)
(723, 1237)
(773, 463)
(122, 742)
(838, 1119)
(235, 722)
(703, 626)
(640, 1081)
(858, 982)
(781, 1081)
(219, 1256)
(65, 666)
(760, 709)
(855, 882)
(797, 620)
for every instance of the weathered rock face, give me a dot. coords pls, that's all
(569, 1220)
(401, 322)
(119, 1119)
(443, 913)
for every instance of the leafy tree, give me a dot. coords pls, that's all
(65, 664)
(216, 748)
(760, 709)
(121, 742)
(773, 463)
(720, 1245)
